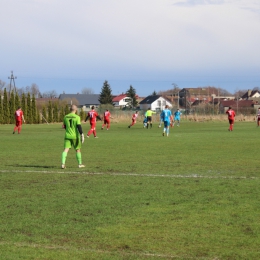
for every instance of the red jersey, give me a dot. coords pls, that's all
(18, 115)
(134, 116)
(231, 114)
(106, 115)
(93, 116)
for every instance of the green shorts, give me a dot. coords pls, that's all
(75, 143)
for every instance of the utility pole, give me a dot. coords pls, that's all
(12, 79)
(175, 86)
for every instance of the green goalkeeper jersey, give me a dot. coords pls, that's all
(70, 122)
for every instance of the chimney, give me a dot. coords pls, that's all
(249, 93)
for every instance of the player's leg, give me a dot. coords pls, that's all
(16, 126)
(77, 146)
(165, 127)
(67, 146)
(19, 127)
(94, 130)
(92, 127)
(108, 124)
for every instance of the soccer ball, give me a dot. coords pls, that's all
(159, 125)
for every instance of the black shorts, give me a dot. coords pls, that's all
(149, 119)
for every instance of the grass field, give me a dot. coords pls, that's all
(193, 195)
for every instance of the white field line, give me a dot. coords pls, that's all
(134, 174)
(100, 251)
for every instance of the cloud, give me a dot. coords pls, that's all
(129, 39)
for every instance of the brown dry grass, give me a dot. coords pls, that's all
(126, 117)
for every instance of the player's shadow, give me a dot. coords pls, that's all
(33, 166)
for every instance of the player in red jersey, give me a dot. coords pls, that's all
(231, 118)
(18, 120)
(258, 117)
(134, 117)
(92, 116)
(107, 117)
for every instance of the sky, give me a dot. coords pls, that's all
(68, 45)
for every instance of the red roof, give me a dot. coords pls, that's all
(119, 97)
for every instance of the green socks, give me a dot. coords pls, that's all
(63, 157)
(78, 156)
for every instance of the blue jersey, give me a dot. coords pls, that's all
(177, 114)
(166, 115)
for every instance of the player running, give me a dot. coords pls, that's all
(92, 116)
(134, 117)
(166, 115)
(231, 118)
(74, 136)
(107, 117)
(18, 120)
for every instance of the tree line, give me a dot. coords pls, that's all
(50, 113)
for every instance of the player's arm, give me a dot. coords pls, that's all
(81, 133)
(23, 119)
(87, 118)
(98, 117)
(80, 129)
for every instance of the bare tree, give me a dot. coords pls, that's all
(256, 88)
(239, 93)
(35, 90)
(87, 91)
(50, 94)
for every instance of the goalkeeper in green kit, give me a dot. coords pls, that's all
(74, 136)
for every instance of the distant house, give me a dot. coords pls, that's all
(83, 101)
(155, 102)
(121, 101)
(251, 95)
(190, 96)
(239, 105)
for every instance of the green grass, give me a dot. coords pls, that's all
(193, 195)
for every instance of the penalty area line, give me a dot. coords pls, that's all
(134, 174)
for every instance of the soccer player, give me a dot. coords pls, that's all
(74, 136)
(231, 118)
(177, 117)
(92, 116)
(18, 120)
(258, 117)
(149, 114)
(107, 117)
(134, 117)
(166, 115)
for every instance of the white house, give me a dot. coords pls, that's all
(155, 102)
(251, 94)
(121, 100)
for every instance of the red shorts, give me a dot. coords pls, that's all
(231, 121)
(106, 121)
(18, 123)
(93, 125)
